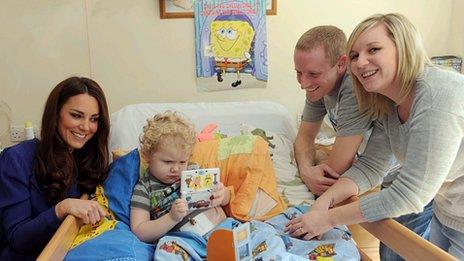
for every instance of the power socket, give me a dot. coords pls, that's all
(36, 131)
(17, 133)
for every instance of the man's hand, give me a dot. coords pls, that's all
(319, 178)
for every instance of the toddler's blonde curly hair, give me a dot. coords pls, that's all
(166, 128)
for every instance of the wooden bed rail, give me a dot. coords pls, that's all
(61, 241)
(400, 239)
(403, 241)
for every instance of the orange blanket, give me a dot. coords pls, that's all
(247, 169)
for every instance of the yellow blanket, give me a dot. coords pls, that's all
(89, 231)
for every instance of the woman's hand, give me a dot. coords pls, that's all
(221, 196)
(178, 210)
(89, 211)
(310, 225)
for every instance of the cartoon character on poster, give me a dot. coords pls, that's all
(231, 45)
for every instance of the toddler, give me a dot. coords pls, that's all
(156, 207)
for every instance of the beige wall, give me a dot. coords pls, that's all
(457, 29)
(136, 57)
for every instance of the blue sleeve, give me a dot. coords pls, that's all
(25, 230)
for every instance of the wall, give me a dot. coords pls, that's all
(137, 57)
(457, 29)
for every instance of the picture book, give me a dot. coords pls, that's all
(196, 187)
(242, 242)
(231, 241)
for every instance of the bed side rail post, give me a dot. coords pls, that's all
(61, 241)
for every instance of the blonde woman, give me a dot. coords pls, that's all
(420, 114)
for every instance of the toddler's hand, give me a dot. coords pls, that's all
(220, 195)
(178, 210)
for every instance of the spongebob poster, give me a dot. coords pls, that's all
(231, 46)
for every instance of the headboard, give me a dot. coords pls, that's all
(127, 123)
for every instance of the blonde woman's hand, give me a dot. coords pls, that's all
(310, 225)
(178, 210)
(89, 211)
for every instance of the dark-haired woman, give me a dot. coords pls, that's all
(41, 180)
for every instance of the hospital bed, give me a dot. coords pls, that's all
(233, 118)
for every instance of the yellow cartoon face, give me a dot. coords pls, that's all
(231, 39)
(208, 181)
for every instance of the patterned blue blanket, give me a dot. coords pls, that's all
(268, 242)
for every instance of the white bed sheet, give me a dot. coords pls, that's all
(127, 123)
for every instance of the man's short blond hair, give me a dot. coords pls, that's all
(165, 128)
(328, 36)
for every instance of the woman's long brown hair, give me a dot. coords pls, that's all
(55, 166)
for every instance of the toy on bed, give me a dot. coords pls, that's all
(196, 187)
(274, 119)
(209, 132)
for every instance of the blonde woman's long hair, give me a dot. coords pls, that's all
(412, 58)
